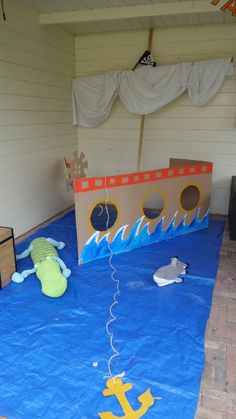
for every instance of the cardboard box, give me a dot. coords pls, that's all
(184, 188)
(7, 255)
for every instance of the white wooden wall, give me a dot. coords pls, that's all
(36, 67)
(179, 129)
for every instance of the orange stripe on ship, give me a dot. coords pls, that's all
(95, 183)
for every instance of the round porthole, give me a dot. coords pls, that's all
(103, 216)
(153, 205)
(190, 197)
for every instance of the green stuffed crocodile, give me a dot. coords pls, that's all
(47, 266)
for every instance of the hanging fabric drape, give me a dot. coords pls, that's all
(92, 98)
(206, 79)
(146, 89)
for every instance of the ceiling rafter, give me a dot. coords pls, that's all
(129, 12)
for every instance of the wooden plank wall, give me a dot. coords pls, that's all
(36, 67)
(179, 130)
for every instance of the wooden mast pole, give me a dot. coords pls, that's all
(142, 121)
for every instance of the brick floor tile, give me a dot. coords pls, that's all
(205, 414)
(230, 416)
(220, 401)
(217, 399)
(231, 369)
(231, 312)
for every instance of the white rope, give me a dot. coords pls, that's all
(115, 301)
(116, 294)
(101, 210)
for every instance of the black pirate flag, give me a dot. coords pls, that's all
(146, 59)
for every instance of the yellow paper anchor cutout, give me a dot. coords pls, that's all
(117, 388)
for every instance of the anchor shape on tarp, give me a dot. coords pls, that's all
(116, 387)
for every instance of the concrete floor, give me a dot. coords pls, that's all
(217, 399)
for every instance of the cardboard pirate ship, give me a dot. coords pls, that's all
(124, 204)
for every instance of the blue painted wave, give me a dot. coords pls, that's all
(96, 248)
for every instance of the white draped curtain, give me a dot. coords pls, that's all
(146, 89)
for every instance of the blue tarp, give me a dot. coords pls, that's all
(54, 352)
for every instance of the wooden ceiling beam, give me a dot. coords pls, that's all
(129, 12)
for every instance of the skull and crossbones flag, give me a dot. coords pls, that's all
(146, 59)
